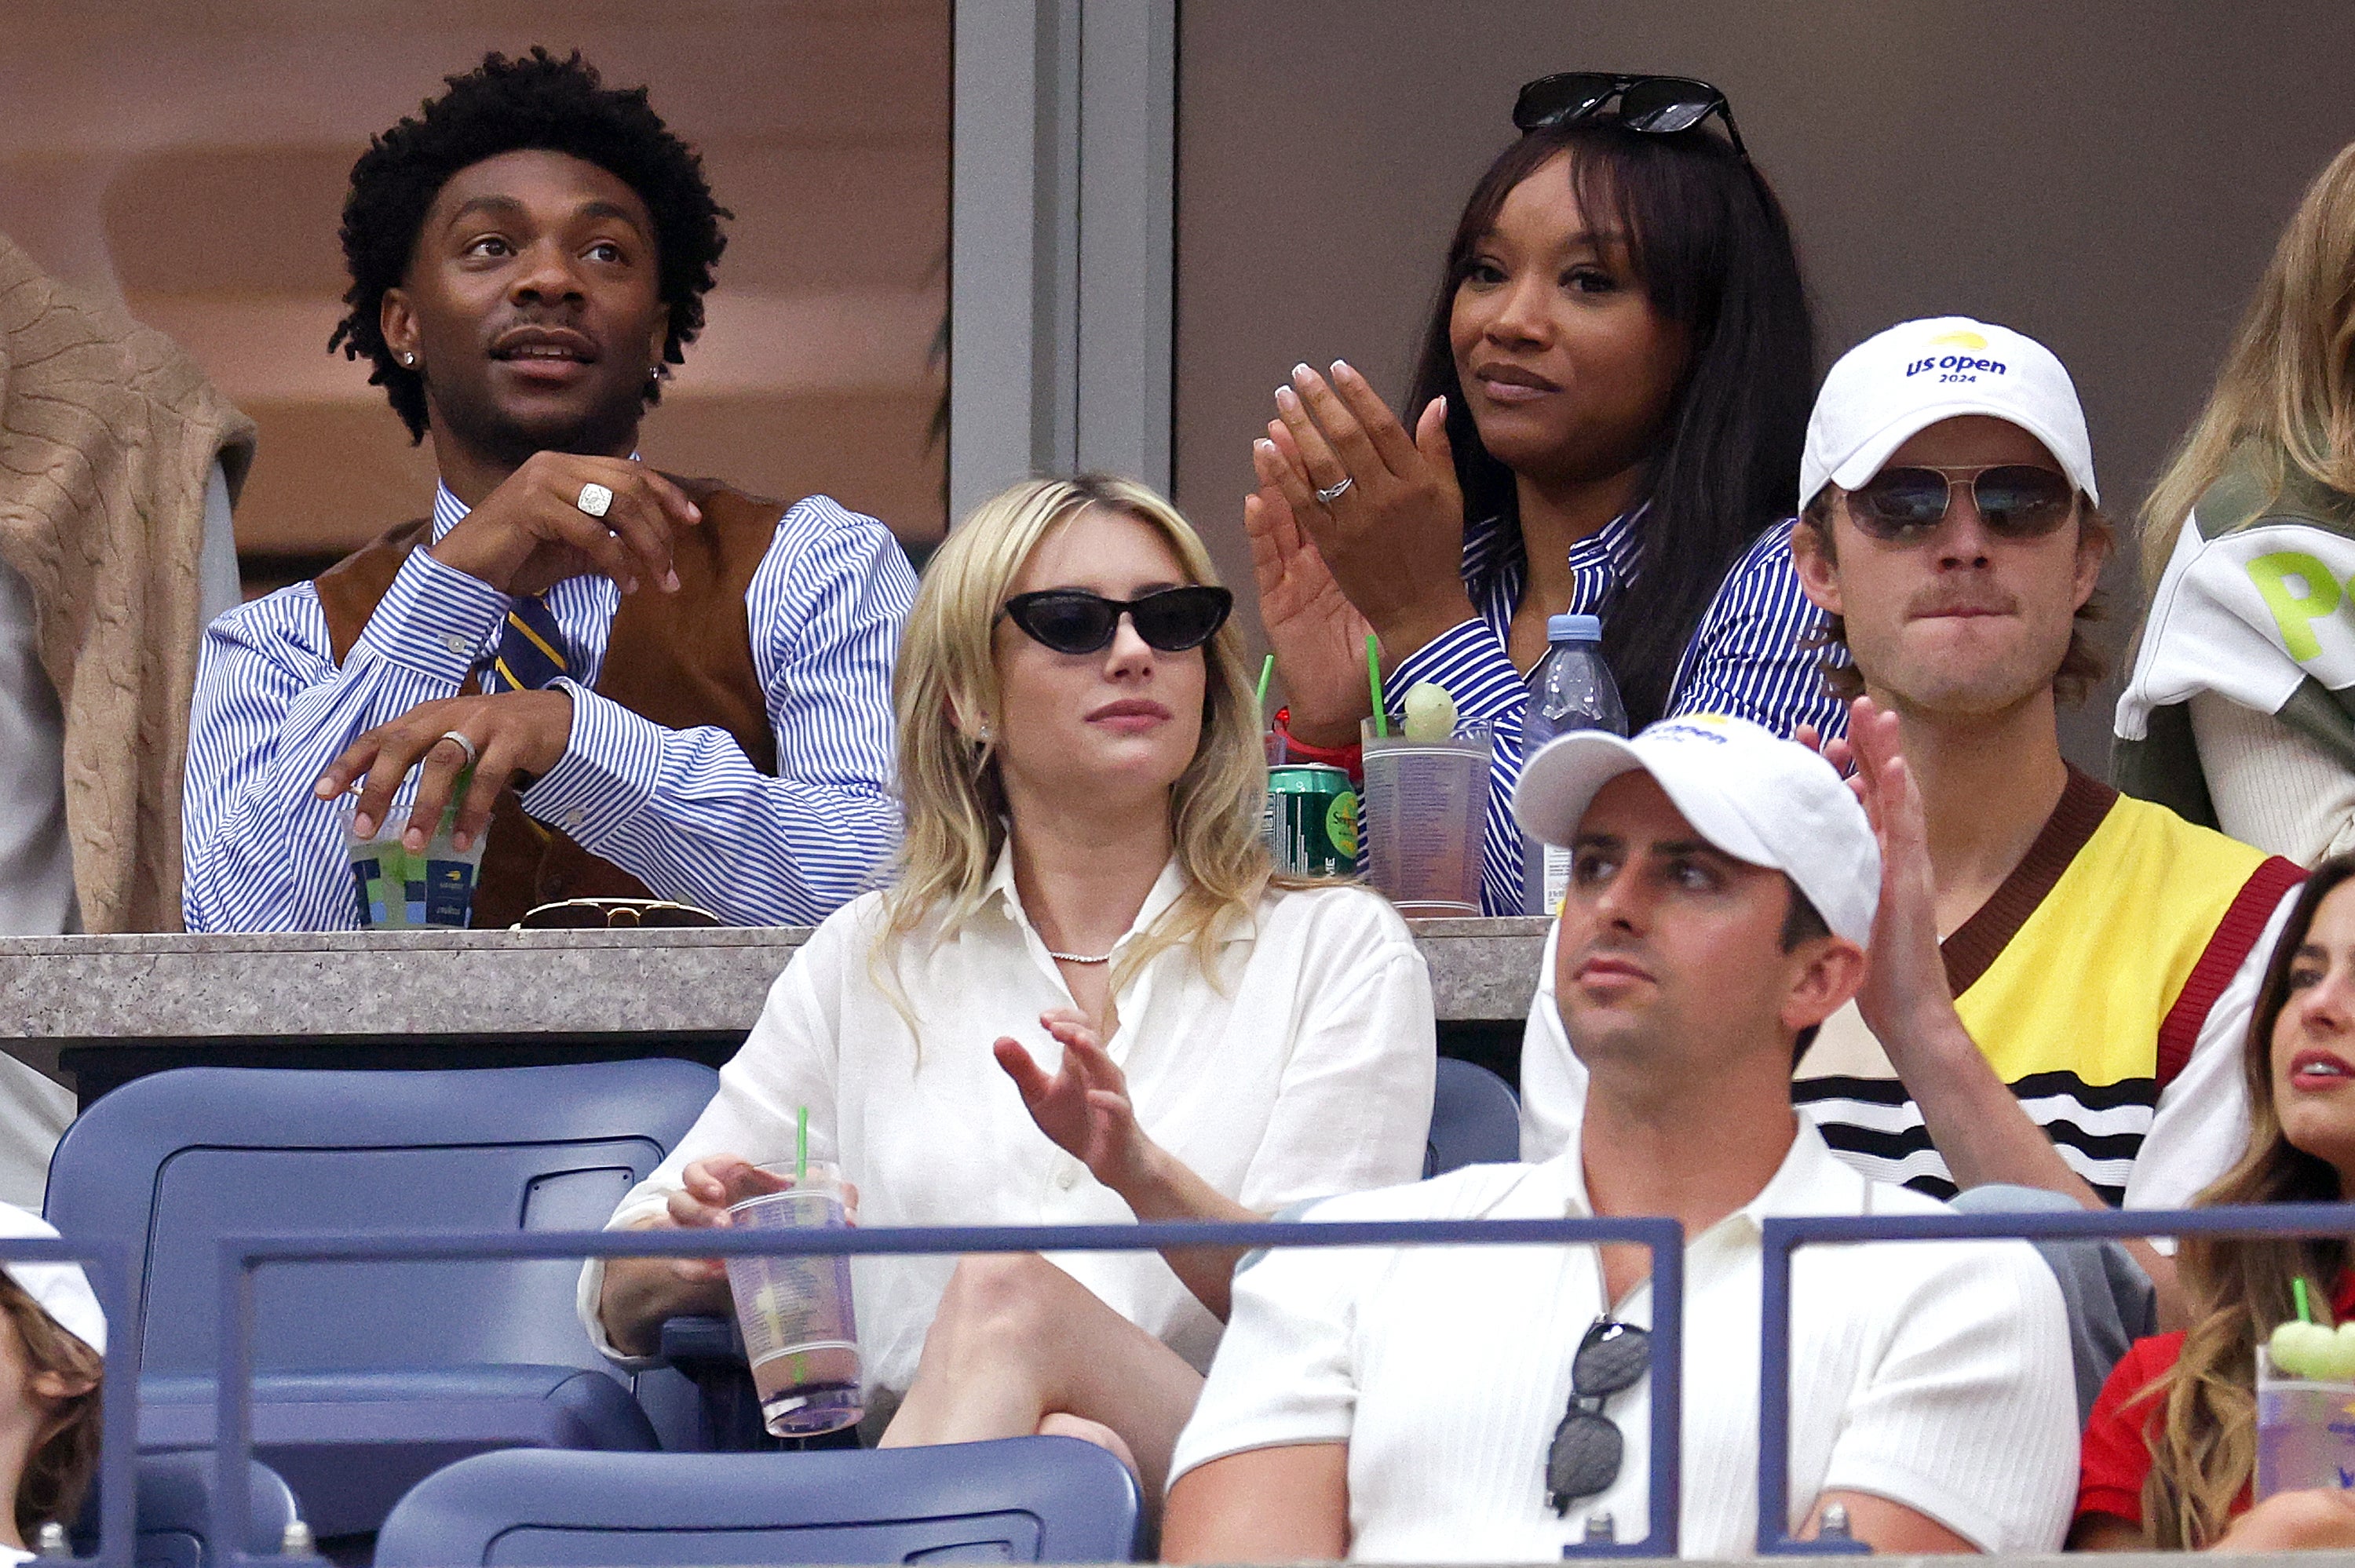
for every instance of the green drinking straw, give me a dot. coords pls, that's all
(2298, 1289)
(1374, 679)
(1266, 673)
(801, 1145)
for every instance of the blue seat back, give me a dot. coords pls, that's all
(175, 1507)
(1475, 1119)
(179, 1159)
(1022, 1500)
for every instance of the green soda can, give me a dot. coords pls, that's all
(1312, 821)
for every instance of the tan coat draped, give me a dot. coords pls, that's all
(109, 432)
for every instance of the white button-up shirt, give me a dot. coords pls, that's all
(1932, 1374)
(1301, 1068)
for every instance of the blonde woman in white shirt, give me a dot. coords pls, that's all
(1085, 999)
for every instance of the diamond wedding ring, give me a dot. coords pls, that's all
(594, 499)
(1331, 493)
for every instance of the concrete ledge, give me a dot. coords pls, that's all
(96, 991)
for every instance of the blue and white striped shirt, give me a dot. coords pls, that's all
(685, 811)
(1750, 657)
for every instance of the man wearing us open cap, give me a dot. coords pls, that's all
(1482, 1405)
(2062, 976)
(52, 1355)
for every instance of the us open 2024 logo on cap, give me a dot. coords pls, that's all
(1963, 359)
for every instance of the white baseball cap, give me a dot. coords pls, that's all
(62, 1290)
(1897, 383)
(1768, 802)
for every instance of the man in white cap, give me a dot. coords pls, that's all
(1451, 1403)
(2062, 977)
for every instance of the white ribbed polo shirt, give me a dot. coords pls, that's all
(1932, 1374)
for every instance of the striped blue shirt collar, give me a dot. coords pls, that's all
(1496, 566)
(449, 511)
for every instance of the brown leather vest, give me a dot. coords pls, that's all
(680, 660)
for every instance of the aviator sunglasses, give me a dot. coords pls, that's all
(1073, 620)
(1662, 105)
(1588, 1446)
(2016, 501)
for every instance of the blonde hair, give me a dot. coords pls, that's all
(2287, 388)
(950, 791)
(57, 1472)
(2239, 1288)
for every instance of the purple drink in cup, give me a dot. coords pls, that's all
(801, 1333)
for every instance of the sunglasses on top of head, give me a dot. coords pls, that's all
(2016, 501)
(1073, 620)
(1661, 105)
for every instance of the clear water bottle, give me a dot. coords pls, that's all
(1571, 688)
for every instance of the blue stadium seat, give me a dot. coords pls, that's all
(175, 1512)
(1024, 1499)
(1475, 1119)
(370, 1377)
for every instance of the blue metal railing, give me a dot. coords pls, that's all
(242, 1255)
(1783, 1235)
(118, 1455)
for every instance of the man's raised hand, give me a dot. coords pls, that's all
(530, 533)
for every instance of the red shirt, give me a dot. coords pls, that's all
(2115, 1458)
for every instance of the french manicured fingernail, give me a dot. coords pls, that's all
(670, 582)
(1341, 371)
(1264, 445)
(1287, 400)
(1300, 373)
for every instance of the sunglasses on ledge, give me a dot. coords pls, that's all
(1661, 105)
(2016, 501)
(616, 914)
(1072, 620)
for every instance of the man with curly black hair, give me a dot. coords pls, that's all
(626, 684)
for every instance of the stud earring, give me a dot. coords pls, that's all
(981, 733)
(409, 360)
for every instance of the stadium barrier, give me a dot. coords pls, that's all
(242, 1256)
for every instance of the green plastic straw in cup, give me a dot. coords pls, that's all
(1374, 680)
(2298, 1289)
(801, 1144)
(1266, 673)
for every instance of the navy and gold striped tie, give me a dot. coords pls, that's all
(531, 650)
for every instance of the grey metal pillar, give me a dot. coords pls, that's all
(1062, 186)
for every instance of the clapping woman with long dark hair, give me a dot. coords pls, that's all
(1608, 410)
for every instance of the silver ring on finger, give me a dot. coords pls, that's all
(593, 498)
(1333, 493)
(464, 745)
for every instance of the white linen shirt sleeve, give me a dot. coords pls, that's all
(1968, 1414)
(1553, 1080)
(2200, 1128)
(687, 813)
(789, 1060)
(1286, 1371)
(1353, 1108)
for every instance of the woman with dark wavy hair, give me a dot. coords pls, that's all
(2171, 1446)
(1608, 412)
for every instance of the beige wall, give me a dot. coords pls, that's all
(2106, 175)
(194, 159)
